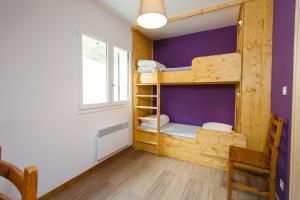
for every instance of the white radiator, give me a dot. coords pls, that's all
(112, 139)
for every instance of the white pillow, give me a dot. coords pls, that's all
(150, 64)
(217, 126)
(164, 119)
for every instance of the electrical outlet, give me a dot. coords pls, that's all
(281, 184)
(284, 91)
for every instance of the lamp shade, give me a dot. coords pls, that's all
(152, 14)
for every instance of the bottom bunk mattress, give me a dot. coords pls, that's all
(182, 130)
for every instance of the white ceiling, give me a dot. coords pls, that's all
(127, 11)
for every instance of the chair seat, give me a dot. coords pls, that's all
(249, 157)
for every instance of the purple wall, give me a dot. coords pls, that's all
(180, 51)
(282, 75)
(198, 103)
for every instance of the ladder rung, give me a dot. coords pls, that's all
(250, 189)
(140, 95)
(147, 118)
(146, 142)
(146, 129)
(147, 107)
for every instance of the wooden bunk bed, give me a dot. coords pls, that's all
(207, 147)
(249, 69)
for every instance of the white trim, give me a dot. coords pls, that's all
(100, 109)
(295, 137)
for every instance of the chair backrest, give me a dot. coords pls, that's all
(273, 140)
(25, 182)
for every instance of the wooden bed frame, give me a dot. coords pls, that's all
(249, 70)
(209, 148)
(218, 69)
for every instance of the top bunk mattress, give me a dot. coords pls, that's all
(181, 130)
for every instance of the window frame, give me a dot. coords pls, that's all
(83, 106)
(110, 104)
(129, 76)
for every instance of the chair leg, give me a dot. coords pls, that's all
(248, 178)
(230, 178)
(272, 188)
(264, 181)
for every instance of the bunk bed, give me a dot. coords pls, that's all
(249, 70)
(181, 141)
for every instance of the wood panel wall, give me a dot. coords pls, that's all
(255, 43)
(142, 48)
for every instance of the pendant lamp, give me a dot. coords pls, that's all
(152, 14)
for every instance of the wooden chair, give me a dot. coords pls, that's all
(259, 163)
(25, 182)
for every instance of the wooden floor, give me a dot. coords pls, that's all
(138, 175)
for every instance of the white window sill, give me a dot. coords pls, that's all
(116, 106)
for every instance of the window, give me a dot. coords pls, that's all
(104, 74)
(121, 75)
(94, 71)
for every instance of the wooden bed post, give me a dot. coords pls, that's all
(142, 48)
(238, 91)
(255, 43)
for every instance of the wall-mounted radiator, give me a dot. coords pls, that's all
(112, 139)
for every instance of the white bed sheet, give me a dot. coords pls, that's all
(166, 69)
(176, 69)
(181, 130)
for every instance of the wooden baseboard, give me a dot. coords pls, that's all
(60, 188)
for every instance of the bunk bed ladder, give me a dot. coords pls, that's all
(158, 111)
(137, 107)
(136, 120)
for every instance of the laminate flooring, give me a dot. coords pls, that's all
(139, 175)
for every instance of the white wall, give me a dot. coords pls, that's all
(39, 121)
